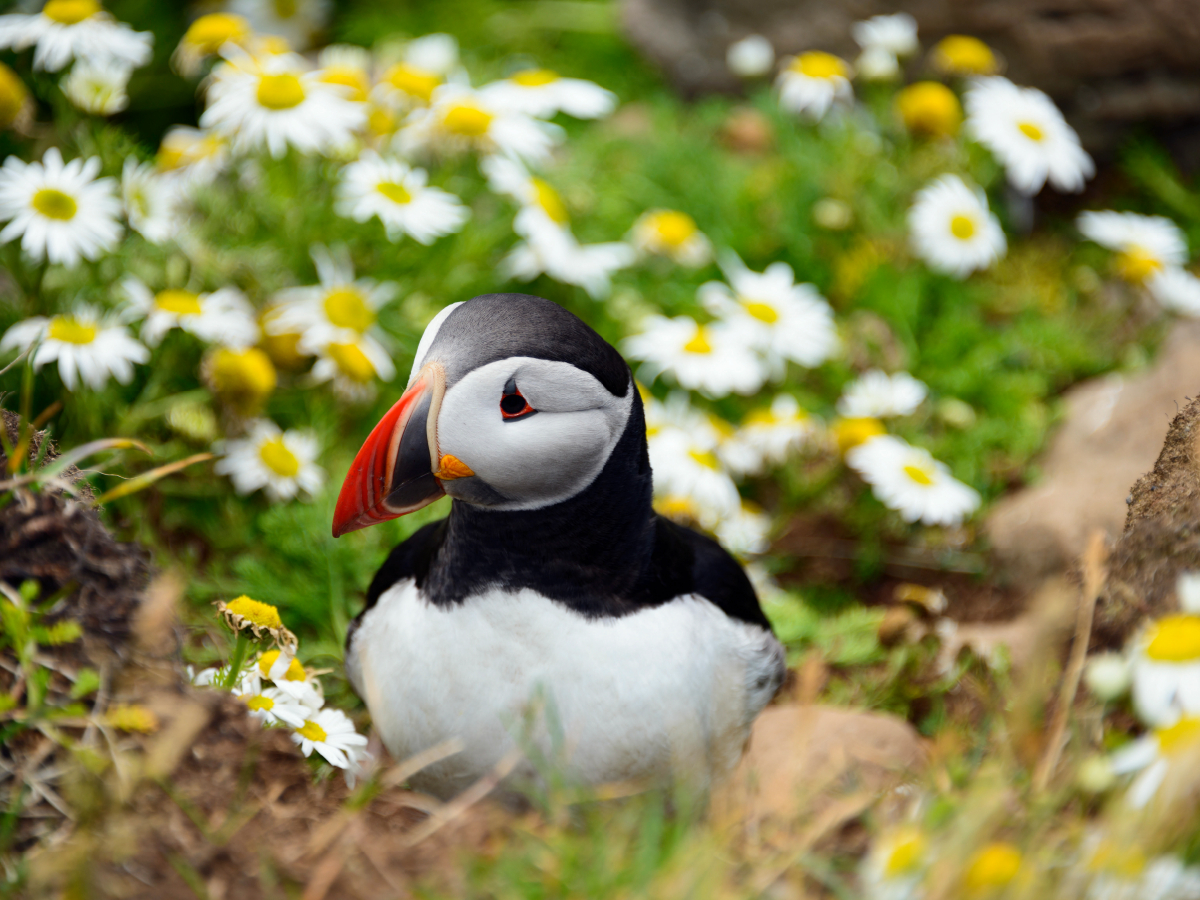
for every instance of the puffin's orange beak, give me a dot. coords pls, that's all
(399, 469)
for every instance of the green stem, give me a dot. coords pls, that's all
(236, 661)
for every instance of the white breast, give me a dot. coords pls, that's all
(669, 691)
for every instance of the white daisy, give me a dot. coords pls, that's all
(273, 102)
(152, 201)
(542, 93)
(97, 88)
(812, 82)
(689, 481)
(1151, 756)
(350, 360)
(205, 37)
(1147, 244)
(785, 321)
(751, 57)
(1027, 133)
(331, 733)
(388, 188)
(248, 683)
(75, 29)
(275, 706)
(715, 359)
(1166, 669)
(289, 676)
(282, 462)
(321, 311)
(87, 348)
(192, 156)
(745, 532)
(298, 22)
(1187, 591)
(1121, 871)
(222, 317)
(910, 481)
(1177, 289)
(62, 213)
(895, 865)
(460, 119)
(668, 232)
(538, 198)
(767, 437)
(884, 41)
(554, 250)
(878, 395)
(952, 229)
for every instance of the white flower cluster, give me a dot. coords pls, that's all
(1160, 668)
(1151, 251)
(281, 693)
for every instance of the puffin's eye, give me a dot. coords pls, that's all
(512, 404)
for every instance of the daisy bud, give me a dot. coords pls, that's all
(1187, 588)
(750, 57)
(960, 54)
(243, 378)
(14, 96)
(832, 214)
(929, 108)
(1095, 775)
(132, 718)
(1107, 676)
(992, 867)
(98, 89)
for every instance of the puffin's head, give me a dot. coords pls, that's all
(513, 404)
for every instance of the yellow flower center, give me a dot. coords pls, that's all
(993, 866)
(919, 474)
(705, 458)
(849, 433)
(412, 81)
(264, 615)
(760, 418)
(54, 204)
(929, 107)
(346, 307)
(381, 121)
(818, 64)
(179, 150)
(352, 362)
(550, 202)
(908, 850)
(280, 91)
(295, 671)
(355, 79)
(674, 228)
(182, 303)
(676, 507)
(1136, 264)
(469, 121)
(278, 458)
(70, 12)
(132, 717)
(70, 330)
(534, 77)
(242, 370)
(13, 95)
(764, 312)
(1174, 639)
(960, 54)
(259, 702)
(312, 731)
(209, 33)
(962, 227)
(1183, 734)
(395, 192)
(1031, 131)
(699, 343)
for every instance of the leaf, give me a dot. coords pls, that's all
(59, 633)
(140, 482)
(86, 682)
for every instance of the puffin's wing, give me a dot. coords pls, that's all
(713, 573)
(409, 559)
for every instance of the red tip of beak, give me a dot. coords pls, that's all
(364, 494)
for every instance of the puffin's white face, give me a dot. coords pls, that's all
(505, 432)
(534, 432)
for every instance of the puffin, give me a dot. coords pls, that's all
(552, 609)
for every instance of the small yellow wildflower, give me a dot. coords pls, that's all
(960, 54)
(244, 614)
(132, 717)
(992, 867)
(930, 108)
(14, 96)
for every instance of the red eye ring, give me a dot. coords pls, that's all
(510, 409)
